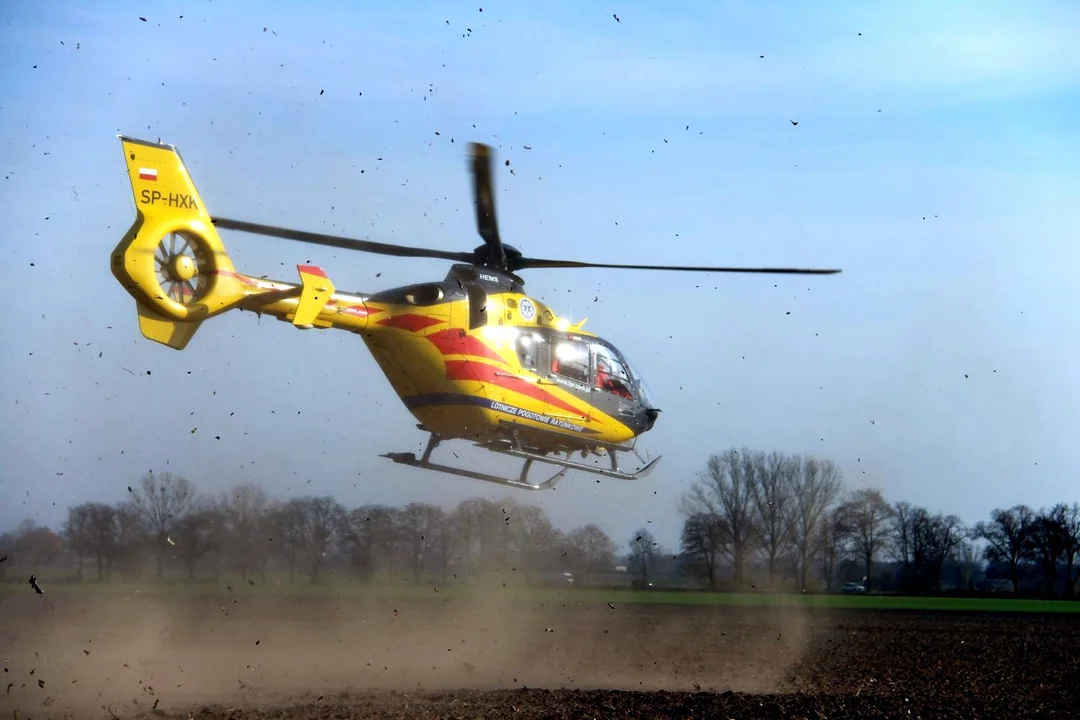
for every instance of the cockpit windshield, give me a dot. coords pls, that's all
(611, 373)
(584, 363)
(644, 393)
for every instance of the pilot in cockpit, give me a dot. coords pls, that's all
(607, 382)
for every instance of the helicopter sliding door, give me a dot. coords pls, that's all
(568, 369)
(549, 402)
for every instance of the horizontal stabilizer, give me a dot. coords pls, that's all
(165, 331)
(317, 291)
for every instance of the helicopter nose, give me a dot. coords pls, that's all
(651, 414)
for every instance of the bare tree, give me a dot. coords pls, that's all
(495, 536)
(163, 499)
(642, 554)
(77, 533)
(816, 486)
(1049, 540)
(198, 532)
(101, 534)
(833, 538)
(944, 534)
(592, 549)
(726, 494)
(418, 524)
(444, 542)
(1071, 550)
(35, 545)
(356, 540)
(533, 537)
(773, 498)
(1008, 538)
(909, 527)
(383, 528)
(902, 540)
(288, 522)
(7, 540)
(470, 517)
(322, 518)
(130, 531)
(867, 515)
(245, 518)
(702, 546)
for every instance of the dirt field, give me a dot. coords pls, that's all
(489, 656)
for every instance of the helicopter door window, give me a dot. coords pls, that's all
(611, 375)
(570, 359)
(527, 347)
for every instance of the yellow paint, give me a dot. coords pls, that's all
(418, 348)
(316, 293)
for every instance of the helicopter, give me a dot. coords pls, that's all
(473, 357)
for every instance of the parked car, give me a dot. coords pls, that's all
(852, 588)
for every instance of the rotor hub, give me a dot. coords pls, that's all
(494, 254)
(182, 267)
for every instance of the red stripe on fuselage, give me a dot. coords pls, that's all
(457, 342)
(482, 372)
(411, 322)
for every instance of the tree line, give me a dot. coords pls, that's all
(784, 519)
(166, 527)
(752, 520)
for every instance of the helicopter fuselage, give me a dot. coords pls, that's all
(474, 357)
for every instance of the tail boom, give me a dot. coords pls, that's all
(314, 303)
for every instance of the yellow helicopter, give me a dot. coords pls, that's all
(472, 356)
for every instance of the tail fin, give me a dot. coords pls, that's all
(171, 260)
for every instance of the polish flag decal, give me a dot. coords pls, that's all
(147, 174)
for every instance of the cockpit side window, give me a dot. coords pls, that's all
(528, 346)
(612, 375)
(570, 359)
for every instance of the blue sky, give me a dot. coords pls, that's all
(934, 161)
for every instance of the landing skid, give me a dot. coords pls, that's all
(515, 448)
(520, 482)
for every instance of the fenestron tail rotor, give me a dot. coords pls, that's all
(181, 266)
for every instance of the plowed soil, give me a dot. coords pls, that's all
(225, 656)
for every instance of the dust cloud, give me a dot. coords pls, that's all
(125, 653)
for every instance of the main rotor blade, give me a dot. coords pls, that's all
(341, 242)
(526, 263)
(484, 196)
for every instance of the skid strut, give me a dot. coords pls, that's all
(515, 448)
(520, 482)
